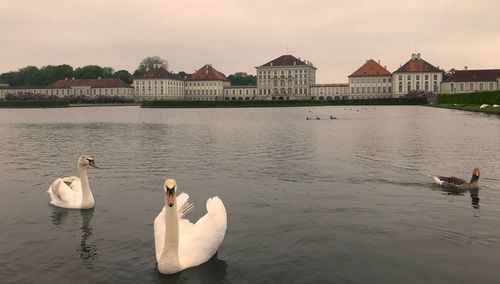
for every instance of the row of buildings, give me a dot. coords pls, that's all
(284, 78)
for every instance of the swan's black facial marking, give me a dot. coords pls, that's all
(170, 195)
(91, 162)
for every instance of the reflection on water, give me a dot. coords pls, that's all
(307, 201)
(474, 195)
(212, 271)
(87, 250)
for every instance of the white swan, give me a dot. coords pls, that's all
(73, 192)
(180, 244)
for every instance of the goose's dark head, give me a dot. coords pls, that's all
(475, 175)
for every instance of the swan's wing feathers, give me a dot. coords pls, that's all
(159, 229)
(206, 235)
(60, 192)
(183, 206)
(73, 182)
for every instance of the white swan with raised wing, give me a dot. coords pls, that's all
(180, 244)
(73, 192)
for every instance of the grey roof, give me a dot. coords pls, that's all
(481, 75)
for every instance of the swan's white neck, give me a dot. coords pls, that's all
(87, 197)
(169, 259)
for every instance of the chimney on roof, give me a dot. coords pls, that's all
(418, 55)
(379, 61)
(413, 56)
(385, 67)
(465, 68)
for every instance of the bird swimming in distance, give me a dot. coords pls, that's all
(180, 244)
(458, 183)
(74, 192)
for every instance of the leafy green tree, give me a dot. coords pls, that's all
(27, 75)
(149, 62)
(448, 74)
(93, 72)
(124, 75)
(50, 73)
(242, 79)
(183, 74)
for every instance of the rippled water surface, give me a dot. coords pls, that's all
(324, 201)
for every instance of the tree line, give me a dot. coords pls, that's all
(34, 76)
(46, 75)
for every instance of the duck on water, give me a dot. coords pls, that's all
(455, 183)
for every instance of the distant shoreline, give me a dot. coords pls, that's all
(469, 107)
(280, 103)
(217, 104)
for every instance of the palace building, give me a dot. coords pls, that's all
(416, 75)
(284, 78)
(158, 83)
(370, 81)
(466, 81)
(206, 84)
(76, 87)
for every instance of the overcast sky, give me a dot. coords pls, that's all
(234, 35)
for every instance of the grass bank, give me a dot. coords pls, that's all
(476, 98)
(470, 101)
(34, 104)
(289, 103)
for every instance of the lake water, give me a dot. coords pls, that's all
(308, 201)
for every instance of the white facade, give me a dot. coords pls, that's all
(370, 87)
(467, 81)
(330, 92)
(158, 84)
(72, 91)
(285, 78)
(468, 87)
(416, 75)
(412, 81)
(209, 90)
(241, 93)
(156, 89)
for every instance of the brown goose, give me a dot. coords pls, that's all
(458, 183)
